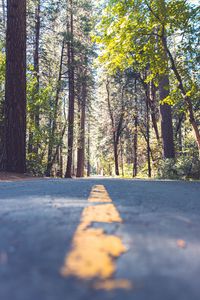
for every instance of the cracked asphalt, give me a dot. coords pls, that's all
(160, 229)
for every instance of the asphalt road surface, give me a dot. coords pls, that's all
(46, 229)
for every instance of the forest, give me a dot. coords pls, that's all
(105, 87)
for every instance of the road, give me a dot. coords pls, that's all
(125, 240)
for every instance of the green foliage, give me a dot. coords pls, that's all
(2, 71)
(36, 164)
(185, 167)
(130, 34)
(44, 99)
(2, 84)
(2, 67)
(41, 98)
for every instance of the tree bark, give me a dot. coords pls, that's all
(148, 139)
(153, 106)
(71, 94)
(34, 115)
(122, 157)
(81, 144)
(180, 140)
(151, 97)
(166, 119)
(116, 157)
(61, 161)
(135, 138)
(88, 152)
(14, 153)
(37, 69)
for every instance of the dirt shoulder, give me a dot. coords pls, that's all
(6, 176)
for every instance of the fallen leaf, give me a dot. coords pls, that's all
(181, 244)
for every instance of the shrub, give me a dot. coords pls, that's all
(185, 167)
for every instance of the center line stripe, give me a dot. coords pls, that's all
(99, 194)
(93, 251)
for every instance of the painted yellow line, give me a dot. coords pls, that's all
(103, 213)
(99, 194)
(93, 251)
(112, 284)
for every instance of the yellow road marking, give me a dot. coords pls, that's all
(103, 213)
(99, 194)
(112, 284)
(93, 251)
(92, 255)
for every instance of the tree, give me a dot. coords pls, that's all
(135, 138)
(185, 94)
(51, 156)
(116, 113)
(14, 152)
(35, 115)
(138, 35)
(166, 119)
(81, 142)
(71, 66)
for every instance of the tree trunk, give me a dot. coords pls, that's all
(180, 141)
(116, 157)
(193, 121)
(74, 159)
(150, 91)
(135, 148)
(135, 138)
(148, 139)
(56, 154)
(88, 152)
(117, 128)
(54, 121)
(36, 69)
(153, 106)
(14, 153)
(33, 145)
(81, 144)
(71, 94)
(166, 119)
(122, 157)
(183, 92)
(61, 161)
